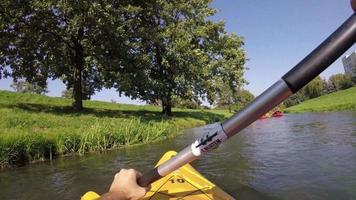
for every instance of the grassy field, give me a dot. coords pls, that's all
(337, 101)
(37, 127)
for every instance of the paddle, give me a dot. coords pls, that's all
(305, 71)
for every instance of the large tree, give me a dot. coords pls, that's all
(180, 52)
(26, 87)
(315, 88)
(233, 100)
(339, 82)
(78, 42)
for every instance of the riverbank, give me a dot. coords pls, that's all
(337, 101)
(37, 127)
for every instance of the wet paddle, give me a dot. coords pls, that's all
(305, 71)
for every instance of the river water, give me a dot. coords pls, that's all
(298, 156)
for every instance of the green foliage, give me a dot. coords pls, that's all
(75, 41)
(36, 127)
(189, 103)
(68, 93)
(242, 98)
(343, 100)
(314, 88)
(180, 52)
(295, 99)
(233, 101)
(339, 82)
(24, 86)
(152, 50)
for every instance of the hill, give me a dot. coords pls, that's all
(337, 101)
(37, 127)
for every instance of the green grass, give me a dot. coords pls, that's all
(37, 127)
(337, 101)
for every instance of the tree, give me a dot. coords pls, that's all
(242, 98)
(180, 52)
(26, 87)
(234, 100)
(225, 98)
(69, 40)
(67, 93)
(346, 82)
(339, 82)
(189, 103)
(314, 88)
(295, 99)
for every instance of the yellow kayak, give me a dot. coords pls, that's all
(185, 183)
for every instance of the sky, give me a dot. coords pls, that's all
(277, 35)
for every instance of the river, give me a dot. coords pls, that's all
(298, 156)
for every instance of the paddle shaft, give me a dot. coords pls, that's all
(305, 71)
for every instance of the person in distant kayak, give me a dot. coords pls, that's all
(125, 187)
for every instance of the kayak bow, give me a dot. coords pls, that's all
(185, 183)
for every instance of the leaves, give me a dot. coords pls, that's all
(151, 50)
(180, 52)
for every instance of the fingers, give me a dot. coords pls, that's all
(138, 174)
(144, 191)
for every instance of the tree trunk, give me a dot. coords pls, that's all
(167, 106)
(77, 90)
(78, 62)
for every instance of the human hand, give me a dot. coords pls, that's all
(125, 187)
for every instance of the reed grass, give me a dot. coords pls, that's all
(37, 127)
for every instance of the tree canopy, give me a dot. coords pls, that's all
(180, 52)
(75, 41)
(152, 50)
(234, 100)
(26, 87)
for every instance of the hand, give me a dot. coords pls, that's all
(125, 187)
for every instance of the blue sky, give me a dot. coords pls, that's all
(277, 35)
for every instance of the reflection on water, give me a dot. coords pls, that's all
(299, 156)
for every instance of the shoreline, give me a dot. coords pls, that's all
(36, 128)
(343, 100)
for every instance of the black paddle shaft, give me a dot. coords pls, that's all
(323, 56)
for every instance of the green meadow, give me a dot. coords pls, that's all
(37, 127)
(338, 101)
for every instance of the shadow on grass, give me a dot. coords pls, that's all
(144, 115)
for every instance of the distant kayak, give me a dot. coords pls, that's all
(277, 114)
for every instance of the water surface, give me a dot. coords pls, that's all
(298, 156)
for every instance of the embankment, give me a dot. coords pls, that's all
(37, 127)
(338, 101)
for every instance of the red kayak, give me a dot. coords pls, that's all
(277, 114)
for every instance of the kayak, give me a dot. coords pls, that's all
(185, 183)
(277, 114)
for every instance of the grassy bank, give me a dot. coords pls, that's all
(337, 101)
(37, 127)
